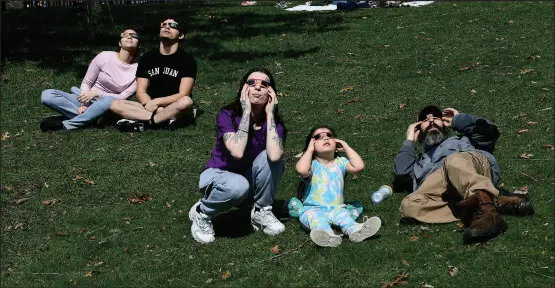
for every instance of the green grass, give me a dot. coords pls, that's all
(412, 56)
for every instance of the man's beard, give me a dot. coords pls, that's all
(433, 138)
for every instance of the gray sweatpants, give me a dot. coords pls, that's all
(224, 190)
(67, 105)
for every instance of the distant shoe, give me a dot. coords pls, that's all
(248, 3)
(366, 230)
(281, 5)
(325, 239)
(52, 123)
(126, 125)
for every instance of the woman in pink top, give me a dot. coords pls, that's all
(111, 76)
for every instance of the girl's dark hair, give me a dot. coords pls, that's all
(302, 186)
(138, 51)
(235, 106)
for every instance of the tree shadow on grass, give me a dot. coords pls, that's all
(237, 222)
(61, 39)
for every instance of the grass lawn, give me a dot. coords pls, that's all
(491, 59)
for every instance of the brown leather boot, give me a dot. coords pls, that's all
(514, 205)
(482, 221)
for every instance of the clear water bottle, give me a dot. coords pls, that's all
(383, 193)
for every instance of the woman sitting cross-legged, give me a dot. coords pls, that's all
(110, 76)
(246, 164)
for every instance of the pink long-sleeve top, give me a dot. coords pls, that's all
(110, 76)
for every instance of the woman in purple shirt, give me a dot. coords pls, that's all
(246, 163)
(111, 75)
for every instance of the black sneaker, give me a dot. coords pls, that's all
(126, 125)
(53, 123)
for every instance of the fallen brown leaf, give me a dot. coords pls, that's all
(353, 100)
(49, 202)
(470, 66)
(413, 238)
(354, 177)
(526, 71)
(126, 218)
(525, 156)
(452, 270)
(126, 249)
(168, 205)
(275, 250)
(548, 146)
(89, 274)
(358, 116)
(82, 230)
(19, 201)
(89, 182)
(405, 262)
(348, 88)
(545, 89)
(62, 233)
(78, 177)
(226, 275)
(531, 123)
(340, 111)
(425, 285)
(74, 282)
(364, 17)
(523, 188)
(511, 22)
(522, 115)
(140, 199)
(522, 131)
(18, 226)
(5, 136)
(401, 279)
(98, 262)
(402, 105)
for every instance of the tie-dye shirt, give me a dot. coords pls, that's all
(325, 186)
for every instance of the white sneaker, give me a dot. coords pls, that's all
(325, 239)
(201, 229)
(366, 229)
(264, 219)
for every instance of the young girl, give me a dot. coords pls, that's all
(321, 189)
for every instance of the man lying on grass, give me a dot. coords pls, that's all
(454, 178)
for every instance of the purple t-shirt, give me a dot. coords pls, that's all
(222, 159)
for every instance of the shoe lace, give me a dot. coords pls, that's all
(267, 215)
(205, 225)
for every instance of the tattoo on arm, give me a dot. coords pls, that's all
(227, 136)
(272, 124)
(242, 130)
(279, 141)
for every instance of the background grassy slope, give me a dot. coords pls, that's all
(389, 57)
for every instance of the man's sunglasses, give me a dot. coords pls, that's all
(173, 25)
(132, 35)
(263, 83)
(319, 135)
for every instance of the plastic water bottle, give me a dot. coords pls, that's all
(383, 193)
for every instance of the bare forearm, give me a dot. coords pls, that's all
(354, 158)
(237, 142)
(142, 97)
(165, 101)
(304, 164)
(274, 143)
